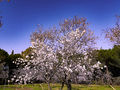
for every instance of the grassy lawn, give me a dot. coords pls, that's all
(56, 87)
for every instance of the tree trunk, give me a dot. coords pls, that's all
(62, 86)
(49, 87)
(69, 87)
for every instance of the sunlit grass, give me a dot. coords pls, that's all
(57, 87)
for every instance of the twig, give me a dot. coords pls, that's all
(112, 87)
(41, 87)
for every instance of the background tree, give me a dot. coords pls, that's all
(3, 55)
(6, 62)
(28, 53)
(113, 34)
(9, 62)
(111, 58)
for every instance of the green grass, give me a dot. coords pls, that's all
(56, 87)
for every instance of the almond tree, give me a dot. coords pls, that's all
(113, 34)
(60, 54)
(75, 41)
(44, 63)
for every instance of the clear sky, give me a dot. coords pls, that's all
(20, 18)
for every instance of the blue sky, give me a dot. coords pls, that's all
(20, 18)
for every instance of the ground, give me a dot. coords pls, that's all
(57, 87)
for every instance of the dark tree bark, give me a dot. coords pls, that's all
(49, 87)
(69, 87)
(62, 86)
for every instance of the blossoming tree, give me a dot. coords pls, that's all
(60, 54)
(75, 43)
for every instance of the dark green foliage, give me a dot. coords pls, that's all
(3, 55)
(9, 62)
(6, 60)
(28, 52)
(12, 58)
(111, 58)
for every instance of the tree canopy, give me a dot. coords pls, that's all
(3, 55)
(61, 55)
(111, 58)
(113, 34)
